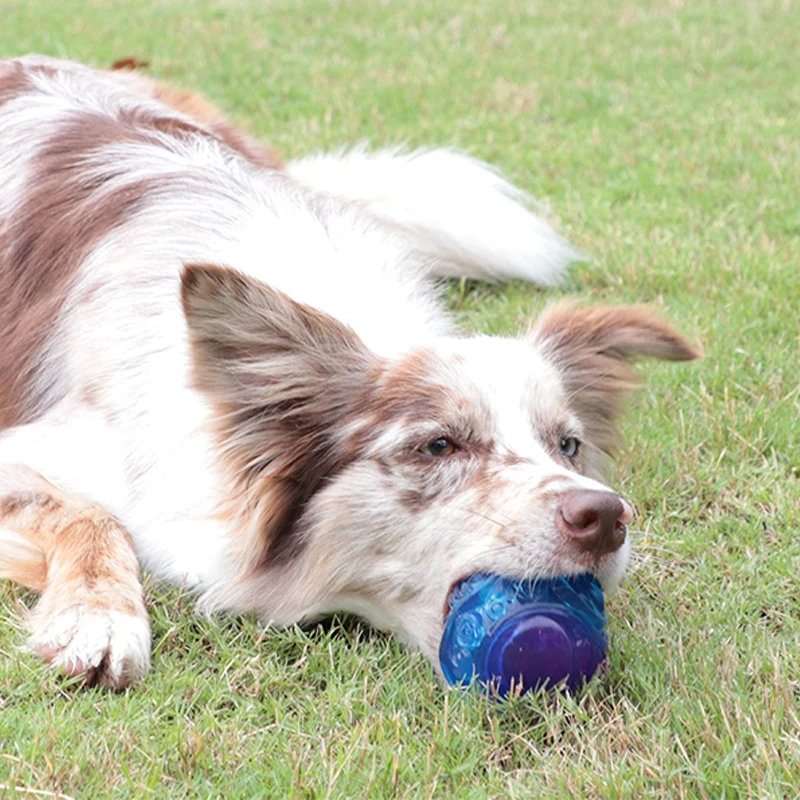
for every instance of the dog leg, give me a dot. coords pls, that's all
(90, 619)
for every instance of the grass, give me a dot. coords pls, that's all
(662, 137)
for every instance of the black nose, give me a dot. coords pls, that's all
(593, 520)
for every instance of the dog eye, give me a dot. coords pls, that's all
(569, 446)
(439, 448)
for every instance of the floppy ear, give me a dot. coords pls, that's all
(283, 378)
(593, 349)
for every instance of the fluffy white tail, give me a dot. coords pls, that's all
(460, 211)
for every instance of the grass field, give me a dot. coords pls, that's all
(662, 137)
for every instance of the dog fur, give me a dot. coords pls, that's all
(237, 374)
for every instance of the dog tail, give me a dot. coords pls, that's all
(461, 212)
(21, 560)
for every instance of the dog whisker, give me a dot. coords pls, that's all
(502, 525)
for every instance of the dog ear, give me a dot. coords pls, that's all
(243, 329)
(283, 378)
(593, 349)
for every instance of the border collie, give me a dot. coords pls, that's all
(236, 373)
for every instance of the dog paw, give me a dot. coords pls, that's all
(105, 647)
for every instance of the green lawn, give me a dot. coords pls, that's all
(663, 138)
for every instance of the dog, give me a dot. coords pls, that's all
(237, 373)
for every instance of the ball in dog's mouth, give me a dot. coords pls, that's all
(513, 636)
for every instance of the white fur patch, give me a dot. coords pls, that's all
(80, 640)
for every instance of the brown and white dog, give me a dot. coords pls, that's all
(236, 374)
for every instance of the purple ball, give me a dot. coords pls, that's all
(513, 636)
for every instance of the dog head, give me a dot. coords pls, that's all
(373, 485)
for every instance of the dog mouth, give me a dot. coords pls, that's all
(595, 565)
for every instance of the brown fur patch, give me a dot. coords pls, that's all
(593, 348)
(283, 377)
(66, 545)
(130, 63)
(197, 107)
(14, 503)
(416, 393)
(406, 391)
(22, 561)
(43, 245)
(62, 217)
(211, 120)
(14, 81)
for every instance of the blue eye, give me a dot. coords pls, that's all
(569, 446)
(438, 448)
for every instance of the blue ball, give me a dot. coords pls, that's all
(514, 636)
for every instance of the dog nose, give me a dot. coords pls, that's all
(594, 520)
